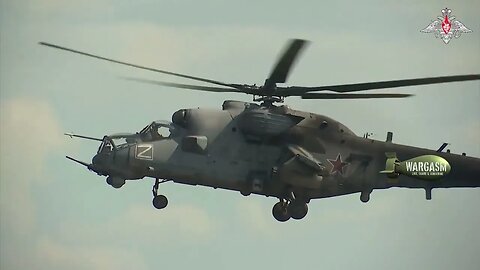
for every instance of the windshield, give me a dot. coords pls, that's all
(120, 142)
(106, 146)
(110, 143)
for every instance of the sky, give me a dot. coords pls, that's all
(55, 214)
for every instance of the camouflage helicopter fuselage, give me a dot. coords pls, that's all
(273, 151)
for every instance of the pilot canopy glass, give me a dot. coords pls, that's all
(157, 130)
(106, 146)
(115, 141)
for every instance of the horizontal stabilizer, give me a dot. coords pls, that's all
(390, 164)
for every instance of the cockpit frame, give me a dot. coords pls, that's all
(151, 131)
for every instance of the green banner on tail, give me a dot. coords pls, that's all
(426, 167)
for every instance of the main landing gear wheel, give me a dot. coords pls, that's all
(280, 211)
(159, 201)
(297, 209)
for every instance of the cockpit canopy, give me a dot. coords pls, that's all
(116, 141)
(157, 130)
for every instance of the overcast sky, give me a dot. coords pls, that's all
(57, 215)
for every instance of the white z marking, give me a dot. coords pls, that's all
(144, 151)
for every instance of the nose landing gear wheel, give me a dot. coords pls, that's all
(297, 209)
(280, 211)
(160, 202)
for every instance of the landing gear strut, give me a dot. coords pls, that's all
(159, 201)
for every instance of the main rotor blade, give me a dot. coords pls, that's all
(285, 62)
(186, 86)
(351, 96)
(138, 66)
(344, 88)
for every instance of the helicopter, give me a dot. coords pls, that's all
(266, 148)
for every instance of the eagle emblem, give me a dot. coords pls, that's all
(446, 27)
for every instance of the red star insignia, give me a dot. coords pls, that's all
(337, 164)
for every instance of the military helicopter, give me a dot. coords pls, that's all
(265, 148)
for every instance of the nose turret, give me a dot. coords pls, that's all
(99, 164)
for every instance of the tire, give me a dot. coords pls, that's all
(280, 212)
(160, 202)
(298, 209)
